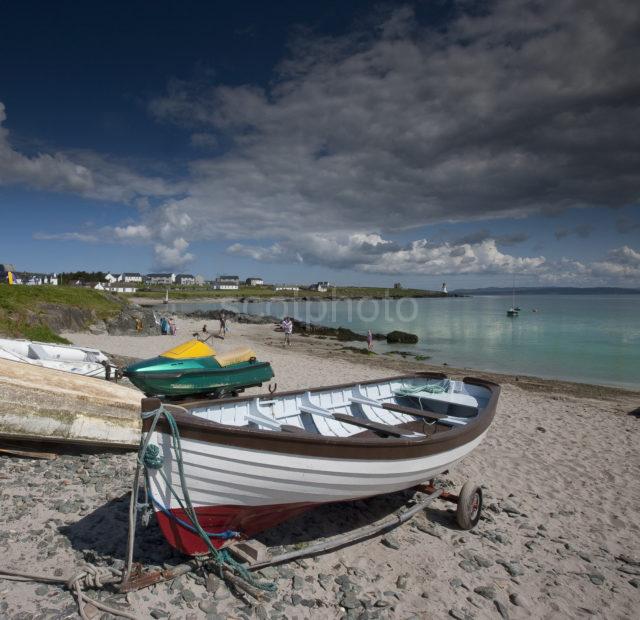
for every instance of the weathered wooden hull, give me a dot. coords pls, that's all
(44, 405)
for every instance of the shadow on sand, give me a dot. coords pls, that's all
(104, 531)
(635, 413)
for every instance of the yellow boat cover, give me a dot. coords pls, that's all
(189, 349)
(236, 356)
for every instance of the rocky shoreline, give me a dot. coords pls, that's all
(342, 334)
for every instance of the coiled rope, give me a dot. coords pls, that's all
(87, 576)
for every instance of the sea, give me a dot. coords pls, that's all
(584, 338)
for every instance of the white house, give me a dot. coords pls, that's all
(286, 287)
(200, 280)
(221, 286)
(115, 288)
(160, 278)
(112, 277)
(254, 281)
(35, 279)
(228, 280)
(130, 277)
(321, 287)
(185, 279)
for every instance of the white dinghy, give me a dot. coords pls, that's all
(243, 465)
(69, 358)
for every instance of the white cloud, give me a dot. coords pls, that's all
(373, 254)
(132, 232)
(172, 256)
(67, 236)
(78, 172)
(623, 262)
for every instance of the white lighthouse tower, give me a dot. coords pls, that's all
(444, 288)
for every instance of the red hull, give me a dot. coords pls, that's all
(248, 520)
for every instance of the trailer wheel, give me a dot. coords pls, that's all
(469, 505)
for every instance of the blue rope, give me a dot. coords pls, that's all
(225, 535)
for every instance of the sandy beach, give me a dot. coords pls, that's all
(560, 535)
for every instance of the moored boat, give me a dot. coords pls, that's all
(78, 360)
(244, 465)
(195, 368)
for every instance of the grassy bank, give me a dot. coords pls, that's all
(339, 292)
(24, 309)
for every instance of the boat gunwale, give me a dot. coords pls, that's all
(362, 446)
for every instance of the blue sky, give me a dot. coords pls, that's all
(414, 142)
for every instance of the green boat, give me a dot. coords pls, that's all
(195, 368)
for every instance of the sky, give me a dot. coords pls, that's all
(355, 142)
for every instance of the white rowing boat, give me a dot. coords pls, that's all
(251, 463)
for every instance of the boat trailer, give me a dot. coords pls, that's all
(255, 555)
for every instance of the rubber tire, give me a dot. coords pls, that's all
(466, 516)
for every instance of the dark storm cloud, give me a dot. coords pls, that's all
(526, 108)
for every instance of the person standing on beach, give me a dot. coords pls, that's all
(369, 340)
(287, 328)
(223, 326)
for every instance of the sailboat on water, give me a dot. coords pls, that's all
(514, 310)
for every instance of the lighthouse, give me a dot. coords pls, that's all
(444, 288)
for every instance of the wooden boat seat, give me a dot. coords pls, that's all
(382, 429)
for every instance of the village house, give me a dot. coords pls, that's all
(160, 278)
(185, 279)
(285, 287)
(27, 279)
(226, 283)
(38, 279)
(321, 287)
(254, 282)
(130, 277)
(115, 288)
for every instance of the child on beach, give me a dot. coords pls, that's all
(223, 326)
(287, 328)
(369, 340)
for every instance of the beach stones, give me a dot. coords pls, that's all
(596, 578)
(513, 567)
(488, 592)
(391, 542)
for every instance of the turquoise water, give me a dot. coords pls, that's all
(587, 338)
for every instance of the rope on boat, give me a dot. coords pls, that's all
(430, 388)
(151, 459)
